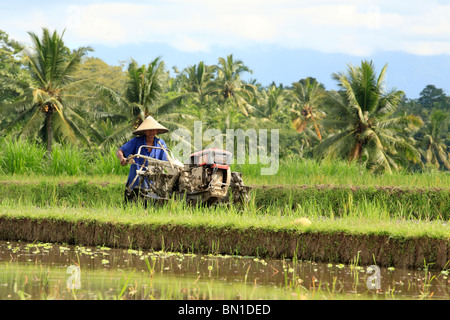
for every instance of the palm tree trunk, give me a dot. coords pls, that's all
(48, 121)
(355, 154)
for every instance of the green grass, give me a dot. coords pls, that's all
(327, 202)
(340, 201)
(311, 172)
(98, 206)
(90, 184)
(21, 159)
(67, 160)
(363, 219)
(24, 157)
(18, 157)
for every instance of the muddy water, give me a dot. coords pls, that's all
(54, 271)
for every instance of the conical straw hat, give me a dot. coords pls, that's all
(150, 124)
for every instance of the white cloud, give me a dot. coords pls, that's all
(352, 27)
(427, 48)
(188, 44)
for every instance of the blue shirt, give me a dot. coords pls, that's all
(132, 147)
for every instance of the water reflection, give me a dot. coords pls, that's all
(50, 271)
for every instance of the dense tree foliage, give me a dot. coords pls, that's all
(52, 94)
(361, 115)
(49, 99)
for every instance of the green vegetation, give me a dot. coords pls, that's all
(361, 161)
(48, 91)
(333, 210)
(363, 114)
(343, 202)
(331, 202)
(310, 172)
(30, 158)
(53, 95)
(23, 160)
(267, 233)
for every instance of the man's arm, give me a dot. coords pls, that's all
(120, 155)
(162, 153)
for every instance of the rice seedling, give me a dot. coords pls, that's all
(201, 277)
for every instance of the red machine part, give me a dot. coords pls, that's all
(214, 157)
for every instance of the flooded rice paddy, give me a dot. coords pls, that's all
(57, 271)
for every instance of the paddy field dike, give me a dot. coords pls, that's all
(387, 225)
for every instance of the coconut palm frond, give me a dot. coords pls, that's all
(169, 105)
(366, 109)
(75, 61)
(387, 104)
(63, 128)
(121, 135)
(443, 155)
(15, 107)
(335, 145)
(378, 158)
(23, 116)
(79, 134)
(400, 145)
(33, 124)
(337, 107)
(400, 122)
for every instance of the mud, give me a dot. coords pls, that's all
(384, 251)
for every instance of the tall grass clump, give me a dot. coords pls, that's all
(20, 156)
(68, 160)
(105, 162)
(299, 171)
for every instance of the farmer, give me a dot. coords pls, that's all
(146, 135)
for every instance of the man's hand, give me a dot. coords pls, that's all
(123, 161)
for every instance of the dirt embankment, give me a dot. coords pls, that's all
(383, 251)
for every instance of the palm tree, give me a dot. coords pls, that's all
(306, 97)
(362, 112)
(270, 101)
(144, 88)
(196, 78)
(144, 96)
(228, 85)
(434, 149)
(50, 102)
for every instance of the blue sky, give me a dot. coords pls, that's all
(281, 41)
